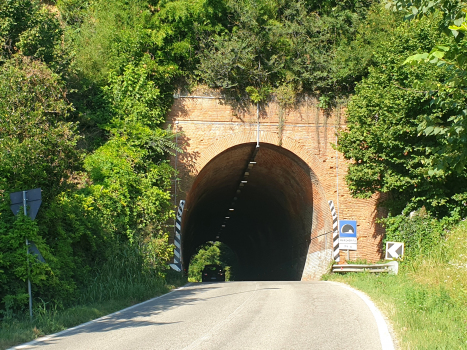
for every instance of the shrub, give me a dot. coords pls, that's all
(420, 233)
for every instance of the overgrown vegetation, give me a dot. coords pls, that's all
(283, 48)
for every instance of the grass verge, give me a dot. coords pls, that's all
(48, 320)
(427, 302)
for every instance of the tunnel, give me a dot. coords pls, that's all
(258, 200)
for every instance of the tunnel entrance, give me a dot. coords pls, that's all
(262, 209)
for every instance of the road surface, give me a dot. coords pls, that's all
(232, 315)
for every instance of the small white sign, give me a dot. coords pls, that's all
(349, 240)
(394, 250)
(347, 246)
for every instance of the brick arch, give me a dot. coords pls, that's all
(320, 248)
(239, 137)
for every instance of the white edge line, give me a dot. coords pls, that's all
(48, 337)
(387, 342)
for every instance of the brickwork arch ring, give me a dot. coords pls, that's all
(234, 139)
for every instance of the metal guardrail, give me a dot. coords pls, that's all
(391, 267)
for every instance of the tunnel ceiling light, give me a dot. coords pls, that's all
(227, 217)
(244, 182)
(247, 173)
(223, 225)
(231, 209)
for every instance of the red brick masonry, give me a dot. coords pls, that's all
(211, 126)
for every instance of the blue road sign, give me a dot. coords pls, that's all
(347, 235)
(348, 228)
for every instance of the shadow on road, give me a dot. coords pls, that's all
(137, 316)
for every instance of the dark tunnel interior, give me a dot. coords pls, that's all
(270, 191)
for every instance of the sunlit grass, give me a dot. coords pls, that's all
(426, 303)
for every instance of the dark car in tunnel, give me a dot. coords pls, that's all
(213, 273)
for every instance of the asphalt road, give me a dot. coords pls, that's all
(233, 315)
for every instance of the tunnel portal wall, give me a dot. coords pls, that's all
(210, 126)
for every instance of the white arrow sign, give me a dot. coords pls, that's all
(394, 250)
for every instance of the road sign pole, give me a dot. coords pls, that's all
(35, 199)
(29, 285)
(27, 259)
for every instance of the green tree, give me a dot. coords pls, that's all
(449, 154)
(37, 140)
(29, 28)
(131, 194)
(383, 139)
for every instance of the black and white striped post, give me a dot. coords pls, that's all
(177, 265)
(335, 229)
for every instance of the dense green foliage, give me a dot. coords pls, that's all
(282, 48)
(449, 155)
(90, 137)
(28, 28)
(391, 138)
(421, 233)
